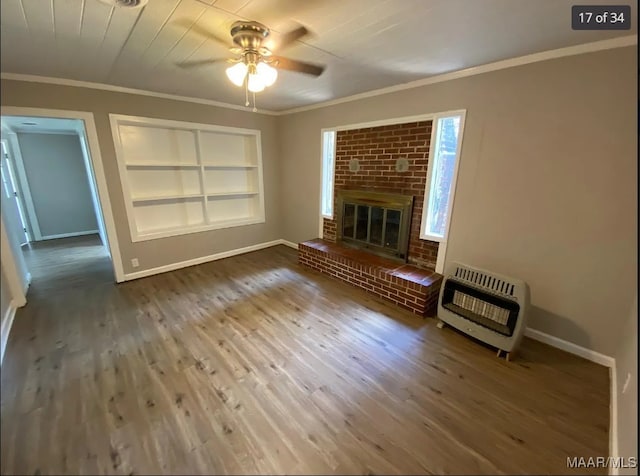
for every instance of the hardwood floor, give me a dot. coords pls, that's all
(254, 364)
(68, 263)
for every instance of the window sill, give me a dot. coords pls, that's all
(437, 239)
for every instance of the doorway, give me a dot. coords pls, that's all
(52, 207)
(40, 232)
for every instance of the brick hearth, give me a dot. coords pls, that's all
(407, 286)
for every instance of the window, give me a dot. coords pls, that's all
(446, 139)
(179, 177)
(328, 165)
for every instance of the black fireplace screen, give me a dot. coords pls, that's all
(375, 221)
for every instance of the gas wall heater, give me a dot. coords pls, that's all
(488, 306)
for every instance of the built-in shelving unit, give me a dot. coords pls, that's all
(180, 177)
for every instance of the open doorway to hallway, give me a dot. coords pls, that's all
(52, 208)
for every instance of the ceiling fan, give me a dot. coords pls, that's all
(255, 66)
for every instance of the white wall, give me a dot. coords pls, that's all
(57, 177)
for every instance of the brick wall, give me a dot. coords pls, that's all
(377, 150)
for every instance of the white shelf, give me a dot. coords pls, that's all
(162, 216)
(230, 166)
(236, 222)
(161, 165)
(166, 197)
(230, 194)
(229, 208)
(162, 232)
(159, 144)
(153, 233)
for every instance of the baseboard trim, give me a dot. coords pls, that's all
(570, 347)
(69, 235)
(7, 322)
(201, 260)
(290, 244)
(613, 418)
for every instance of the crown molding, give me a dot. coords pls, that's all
(619, 42)
(120, 89)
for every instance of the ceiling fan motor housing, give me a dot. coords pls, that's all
(249, 35)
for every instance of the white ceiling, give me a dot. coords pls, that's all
(366, 44)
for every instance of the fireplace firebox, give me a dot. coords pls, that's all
(376, 222)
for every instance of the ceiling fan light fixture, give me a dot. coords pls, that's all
(256, 83)
(236, 73)
(268, 73)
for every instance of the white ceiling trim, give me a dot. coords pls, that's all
(619, 42)
(120, 89)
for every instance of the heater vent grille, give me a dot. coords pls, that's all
(485, 280)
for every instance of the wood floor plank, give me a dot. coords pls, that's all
(255, 365)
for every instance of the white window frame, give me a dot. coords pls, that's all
(442, 240)
(327, 174)
(424, 235)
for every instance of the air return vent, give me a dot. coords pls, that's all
(131, 4)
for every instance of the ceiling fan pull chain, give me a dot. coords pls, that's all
(246, 91)
(255, 109)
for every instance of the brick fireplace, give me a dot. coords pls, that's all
(377, 151)
(390, 160)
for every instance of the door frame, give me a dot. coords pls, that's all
(12, 175)
(98, 172)
(86, 155)
(23, 183)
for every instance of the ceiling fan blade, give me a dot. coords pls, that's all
(288, 38)
(201, 31)
(199, 63)
(281, 62)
